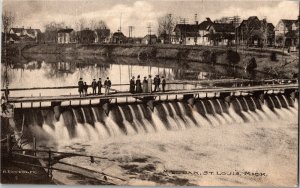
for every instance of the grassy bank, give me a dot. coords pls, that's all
(283, 65)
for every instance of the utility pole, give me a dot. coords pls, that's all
(130, 31)
(149, 32)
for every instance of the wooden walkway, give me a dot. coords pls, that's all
(195, 92)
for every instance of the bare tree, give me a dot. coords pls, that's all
(8, 20)
(81, 24)
(166, 25)
(51, 30)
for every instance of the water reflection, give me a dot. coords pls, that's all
(55, 70)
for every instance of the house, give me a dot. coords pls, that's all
(118, 38)
(25, 35)
(287, 33)
(203, 32)
(149, 39)
(255, 32)
(187, 34)
(102, 35)
(65, 36)
(86, 36)
(221, 34)
(13, 38)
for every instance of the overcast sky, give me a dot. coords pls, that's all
(139, 13)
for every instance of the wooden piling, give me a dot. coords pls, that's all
(34, 145)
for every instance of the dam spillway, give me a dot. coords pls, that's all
(91, 123)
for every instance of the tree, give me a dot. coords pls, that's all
(81, 24)
(251, 65)
(51, 30)
(8, 20)
(166, 26)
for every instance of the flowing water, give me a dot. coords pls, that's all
(213, 135)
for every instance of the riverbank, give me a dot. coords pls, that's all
(282, 65)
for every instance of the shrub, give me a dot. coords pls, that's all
(233, 57)
(273, 56)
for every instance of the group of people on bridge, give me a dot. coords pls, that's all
(136, 86)
(83, 87)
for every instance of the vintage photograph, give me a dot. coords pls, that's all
(150, 92)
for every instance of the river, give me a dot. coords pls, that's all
(176, 144)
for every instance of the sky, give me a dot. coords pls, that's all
(142, 13)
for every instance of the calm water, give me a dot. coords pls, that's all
(54, 70)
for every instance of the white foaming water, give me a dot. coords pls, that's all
(171, 121)
(234, 115)
(219, 118)
(247, 115)
(112, 126)
(254, 115)
(48, 130)
(127, 124)
(61, 131)
(157, 121)
(99, 127)
(186, 118)
(145, 121)
(179, 121)
(199, 118)
(91, 131)
(224, 114)
(137, 124)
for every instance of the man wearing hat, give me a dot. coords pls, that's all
(107, 84)
(80, 87)
(94, 86)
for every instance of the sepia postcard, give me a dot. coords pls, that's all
(150, 92)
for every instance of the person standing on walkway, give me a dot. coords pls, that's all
(85, 88)
(132, 85)
(138, 85)
(94, 86)
(145, 85)
(150, 84)
(163, 83)
(80, 87)
(107, 85)
(99, 84)
(155, 83)
(158, 82)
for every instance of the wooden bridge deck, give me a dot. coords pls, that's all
(126, 95)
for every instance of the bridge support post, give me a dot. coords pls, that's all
(260, 95)
(149, 102)
(291, 93)
(226, 96)
(57, 109)
(105, 103)
(189, 98)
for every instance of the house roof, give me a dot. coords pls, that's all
(17, 30)
(118, 34)
(69, 30)
(30, 31)
(187, 27)
(289, 23)
(223, 27)
(14, 37)
(152, 36)
(205, 24)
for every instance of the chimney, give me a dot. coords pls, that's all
(208, 19)
(196, 22)
(30, 27)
